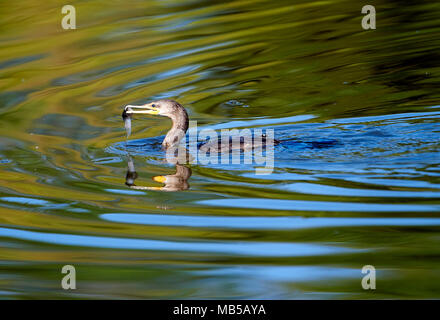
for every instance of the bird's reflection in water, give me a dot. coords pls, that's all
(172, 182)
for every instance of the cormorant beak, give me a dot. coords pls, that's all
(149, 109)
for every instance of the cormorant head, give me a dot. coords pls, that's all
(164, 107)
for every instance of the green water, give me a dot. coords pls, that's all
(356, 179)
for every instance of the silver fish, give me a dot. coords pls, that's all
(127, 120)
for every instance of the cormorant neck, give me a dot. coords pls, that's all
(180, 119)
(178, 130)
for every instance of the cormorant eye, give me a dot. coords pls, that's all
(153, 105)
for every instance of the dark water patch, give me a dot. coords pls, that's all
(112, 91)
(10, 99)
(67, 126)
(19, 61)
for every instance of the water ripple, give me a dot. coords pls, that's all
(263, 249)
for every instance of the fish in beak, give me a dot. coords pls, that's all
(127, 120)
(148, 108)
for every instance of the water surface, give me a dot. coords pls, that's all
(356, 179)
